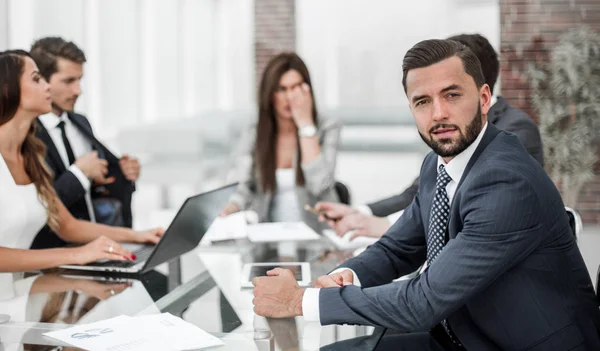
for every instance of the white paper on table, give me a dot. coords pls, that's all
(161, 332)
(231, 227)
(344, 243)
(281, 231)
(115, 334)
(179, 334)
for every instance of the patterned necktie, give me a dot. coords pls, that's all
(438, 223)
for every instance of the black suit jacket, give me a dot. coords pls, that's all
(504, 117)
(69, 189)
(510, 277)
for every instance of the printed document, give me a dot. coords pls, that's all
(163, 332)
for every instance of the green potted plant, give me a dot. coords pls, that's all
(566, 97)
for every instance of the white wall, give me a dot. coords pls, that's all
(148, 60)
(354, 48)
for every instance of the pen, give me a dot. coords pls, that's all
(319, 213)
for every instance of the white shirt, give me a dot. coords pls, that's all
(22, 214)
(80, 146)
(455, 169)
(284, 206)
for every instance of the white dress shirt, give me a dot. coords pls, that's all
(455, 169)
(80, 146)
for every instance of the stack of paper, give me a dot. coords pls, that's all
(163, 332)
(344, 243)
(231, 227)
(281, 231)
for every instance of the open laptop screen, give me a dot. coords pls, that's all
(189, 225)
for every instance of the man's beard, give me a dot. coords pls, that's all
(448, 147)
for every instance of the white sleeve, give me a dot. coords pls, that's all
(310, 305)
(85, 182)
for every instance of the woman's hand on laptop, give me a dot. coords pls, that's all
(102, 248)
(151, 236)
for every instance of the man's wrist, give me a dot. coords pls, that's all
(298, 302)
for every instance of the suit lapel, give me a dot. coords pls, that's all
(51, 151)
(103, 152)
(84, 129)
(490, 133)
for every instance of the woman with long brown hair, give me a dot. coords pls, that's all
(289, 155)
(27, 198)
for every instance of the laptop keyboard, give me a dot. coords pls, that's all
(144, 253)
(141, 255)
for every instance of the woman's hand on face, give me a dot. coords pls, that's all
(102, 248)
(151, 236)
(302, 105)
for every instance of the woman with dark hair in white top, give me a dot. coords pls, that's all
(27, 198)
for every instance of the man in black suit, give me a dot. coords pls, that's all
(370, 219)
(503, 269)
(90, 180)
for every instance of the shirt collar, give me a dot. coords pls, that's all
(51, 121)
(456, 167)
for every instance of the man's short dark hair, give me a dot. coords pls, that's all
(486, 54)
(432, 51)
(46, 51)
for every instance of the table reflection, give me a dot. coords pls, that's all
(206, 293)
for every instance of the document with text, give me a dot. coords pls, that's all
(163, 332)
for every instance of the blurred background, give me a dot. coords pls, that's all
(173, 82)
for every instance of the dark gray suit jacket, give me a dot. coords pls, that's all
(503, 116)
(510, 278)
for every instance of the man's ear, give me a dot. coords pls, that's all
(485, 98)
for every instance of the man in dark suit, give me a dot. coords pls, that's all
(90, 180)
(370, 220)
(503, 269)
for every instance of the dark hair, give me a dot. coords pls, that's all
(45, 52)
(12, 66)
(432, 51)
(488, 58)
(266, 131)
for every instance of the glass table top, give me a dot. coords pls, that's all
(203, 287)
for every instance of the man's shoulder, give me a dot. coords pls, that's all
(81, 120)
(505, 157)
(78, 116)
(509, 116)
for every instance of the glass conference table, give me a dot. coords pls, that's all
(202, 287)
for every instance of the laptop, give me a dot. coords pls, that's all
(183, 234)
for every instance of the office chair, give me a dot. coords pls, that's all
(598, 286)
(574, 221)
(342, 192)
